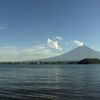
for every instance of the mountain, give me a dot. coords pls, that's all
(76, 54)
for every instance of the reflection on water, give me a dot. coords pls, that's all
(49, 82)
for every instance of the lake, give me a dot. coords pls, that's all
(50, 82)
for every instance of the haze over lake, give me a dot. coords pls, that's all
(50, 82)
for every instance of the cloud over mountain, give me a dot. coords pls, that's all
(54, 44)
(78, 43)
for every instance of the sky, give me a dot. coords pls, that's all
(36, 29)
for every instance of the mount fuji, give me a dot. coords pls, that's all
(76, 54)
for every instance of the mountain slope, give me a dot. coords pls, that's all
(76, 55)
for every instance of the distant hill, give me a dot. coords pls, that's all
(89, 61)
(76, 54)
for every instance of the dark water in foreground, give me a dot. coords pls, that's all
(49, 82)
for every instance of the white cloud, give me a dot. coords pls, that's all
(8, 53)
(60, 48)
(66, 43)
(59, 38)
(40, 51)
(53, 44)
(78, 43)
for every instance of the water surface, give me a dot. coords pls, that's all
(50, 82)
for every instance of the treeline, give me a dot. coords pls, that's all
(83, 61)
(90, 61)
(39, 62)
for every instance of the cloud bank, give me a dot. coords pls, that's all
(13, 53)
(51, 47)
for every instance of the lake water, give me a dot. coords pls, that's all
(50, 82)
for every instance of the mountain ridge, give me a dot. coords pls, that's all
(76, 54)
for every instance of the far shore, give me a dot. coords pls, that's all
(83, 61)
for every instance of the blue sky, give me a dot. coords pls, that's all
(25, 24)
